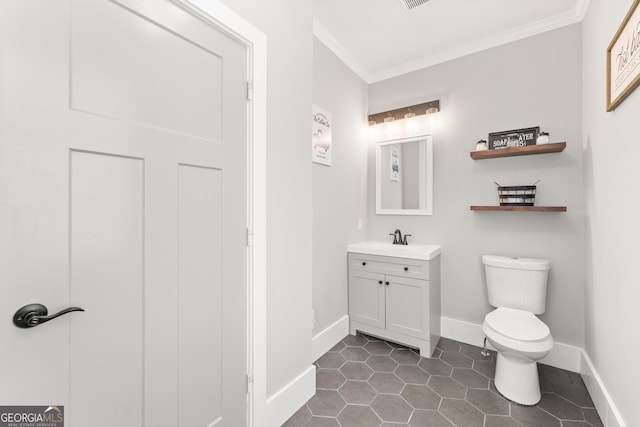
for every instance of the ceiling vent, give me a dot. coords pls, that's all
(412, 4)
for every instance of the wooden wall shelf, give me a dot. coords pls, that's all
(555, 147)
(520, 208)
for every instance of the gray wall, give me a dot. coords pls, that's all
(610, 144)
(535, 81)
(339, 191)
(411, 175)
(288, 27)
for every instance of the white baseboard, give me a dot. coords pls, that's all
(286, 401)
(330, 336)
(459, 330)
(601, 398)
(562, 356)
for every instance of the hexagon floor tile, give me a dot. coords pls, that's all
(368, 382)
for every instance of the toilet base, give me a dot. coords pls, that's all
(517, 379)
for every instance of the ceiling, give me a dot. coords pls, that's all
(380, 39)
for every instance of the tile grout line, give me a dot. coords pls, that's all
(397, 362)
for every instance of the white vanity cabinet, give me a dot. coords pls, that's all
(396, 299)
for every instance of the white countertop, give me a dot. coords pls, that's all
(411, 251)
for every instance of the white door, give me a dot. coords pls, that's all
(123, 190)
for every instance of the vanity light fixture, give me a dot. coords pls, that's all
(409, 122)
(426, 108)
(419, 119)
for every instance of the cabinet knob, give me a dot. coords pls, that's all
(406, 269)
(379, 282)
(386, 283)
(364, 263)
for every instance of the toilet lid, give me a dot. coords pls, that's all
(517, 324)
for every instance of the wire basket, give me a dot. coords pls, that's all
(517, 195)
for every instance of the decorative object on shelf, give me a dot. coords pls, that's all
(543, 138)
(481, 145)
(623, 59)
(513, 138)
(321, 140)
(517, 195)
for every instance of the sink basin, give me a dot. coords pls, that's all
(412, 251)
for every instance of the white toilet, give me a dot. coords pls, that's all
(517, 287)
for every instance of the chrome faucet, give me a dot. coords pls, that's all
(397, 237)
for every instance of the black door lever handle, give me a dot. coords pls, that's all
(34, 314)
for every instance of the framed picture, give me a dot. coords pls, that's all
(321, 138)
(623, 59)
(513, 138)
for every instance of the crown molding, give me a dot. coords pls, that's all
(336, 47)
(573, 16)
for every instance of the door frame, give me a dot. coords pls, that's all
(216, 14)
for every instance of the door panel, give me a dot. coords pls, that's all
(407, 303)
(200, 298)
(367, 298)
(107, 280)
(123, 191)
(137, 73)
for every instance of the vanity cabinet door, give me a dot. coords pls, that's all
(407, 306)
(366, 298)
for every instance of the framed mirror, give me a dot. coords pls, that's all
(404, 176)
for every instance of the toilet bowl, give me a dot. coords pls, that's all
(517, 287)
(521, 339)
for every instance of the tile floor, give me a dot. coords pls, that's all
(367, 382)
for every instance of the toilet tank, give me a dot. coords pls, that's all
(519, 283)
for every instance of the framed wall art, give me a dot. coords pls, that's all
(321, 138)
(623, 59)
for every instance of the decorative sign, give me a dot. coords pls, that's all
(513, 138)
(321, 139)
(623, 59)
(394, 164)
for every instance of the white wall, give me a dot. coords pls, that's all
(536, 81)
(339, 191)
(288, 27)
(610, 143)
